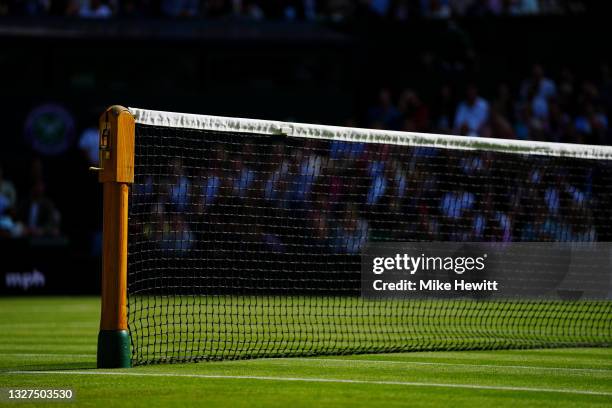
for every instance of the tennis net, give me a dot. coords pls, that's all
(245, 236)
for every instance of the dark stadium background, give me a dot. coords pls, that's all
(330, 62)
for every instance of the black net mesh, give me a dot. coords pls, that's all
(246, 245)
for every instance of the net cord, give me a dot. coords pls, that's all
(360, 135)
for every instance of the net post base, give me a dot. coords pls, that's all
(114, 349)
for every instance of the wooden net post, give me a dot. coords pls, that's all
(116, 173)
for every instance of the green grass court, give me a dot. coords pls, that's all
(51, 343)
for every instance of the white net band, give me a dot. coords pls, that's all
(359, 135)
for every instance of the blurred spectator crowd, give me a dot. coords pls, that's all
(308, 198)
(326, 10)
(562, 109)
(32, 215)
(345, 193)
